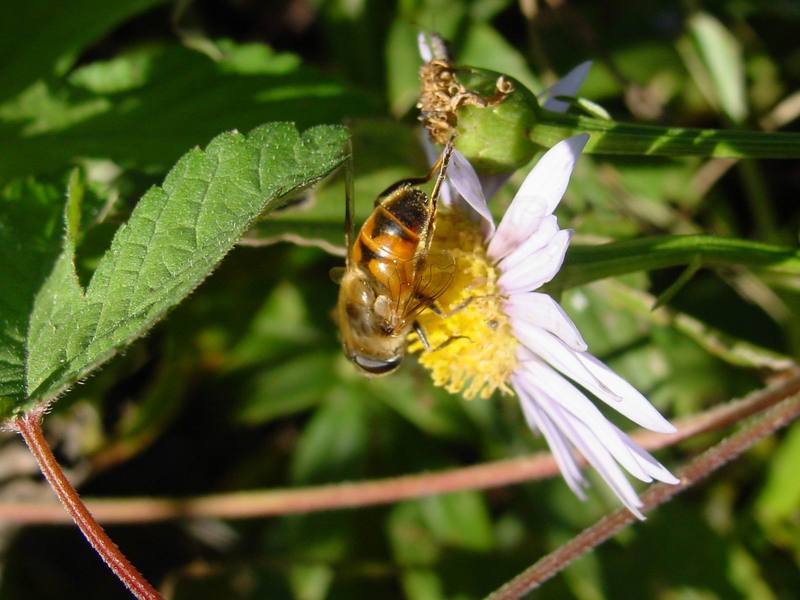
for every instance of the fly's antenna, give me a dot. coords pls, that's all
(349, 199)
(442, 163)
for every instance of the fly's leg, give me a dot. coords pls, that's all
(437, 310)
(427, 345)
(450, 340)
(422, 336)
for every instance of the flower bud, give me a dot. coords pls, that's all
(495, 137)
(490, 114)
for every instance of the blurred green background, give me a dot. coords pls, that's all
(243, 386)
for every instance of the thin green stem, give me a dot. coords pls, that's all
(589, 263)
(30, 427)
(612, 137)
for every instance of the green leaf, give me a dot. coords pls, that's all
(422, 532)
(40, 38)
(589, 263)
(403, 62)
(383, 153)
(280, 327)
(777, 504)
(333, 446)
(31, 228)
(423, 584)
(721, 59)
(144, 108)
(174, 238)
(433, 410)
(288, 387)
(459, 519)
(412, 542)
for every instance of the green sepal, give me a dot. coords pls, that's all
(496, 138)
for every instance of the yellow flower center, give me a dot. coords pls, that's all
(473, 350)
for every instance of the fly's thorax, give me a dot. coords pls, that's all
(373, 332)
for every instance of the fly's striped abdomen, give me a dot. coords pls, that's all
(388, 241)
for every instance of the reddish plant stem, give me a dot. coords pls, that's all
(30, 427)
(261, 503)
(697, 469)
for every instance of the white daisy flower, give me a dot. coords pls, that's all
(498, 333)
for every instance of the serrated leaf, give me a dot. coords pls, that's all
(383, 153)
(174, 238)
(39, 38)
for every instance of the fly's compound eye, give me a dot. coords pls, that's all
(377, 366)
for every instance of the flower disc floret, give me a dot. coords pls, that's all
(474, 351)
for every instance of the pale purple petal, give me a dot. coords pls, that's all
(584, 439)
(540, 268)
(624, 450)
(566, 86)
(541, 310)
(548, 228)
(557, 354)
(654, 468)
(592, 448)
(465, 181)
(538, 196)
(562, 452)
(580, 407)
(632, 404)
(432, 46)
(588, 371)
(424, 47)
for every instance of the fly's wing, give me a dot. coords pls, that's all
(435, 270)
(349, 198)
(434, 278)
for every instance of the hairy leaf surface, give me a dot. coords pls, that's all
(175, 236)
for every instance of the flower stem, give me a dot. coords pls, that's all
(613, 137)
(264, 503)
(585, 263)
(709, 461)
(30, 427)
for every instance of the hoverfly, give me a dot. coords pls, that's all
(391, 274)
